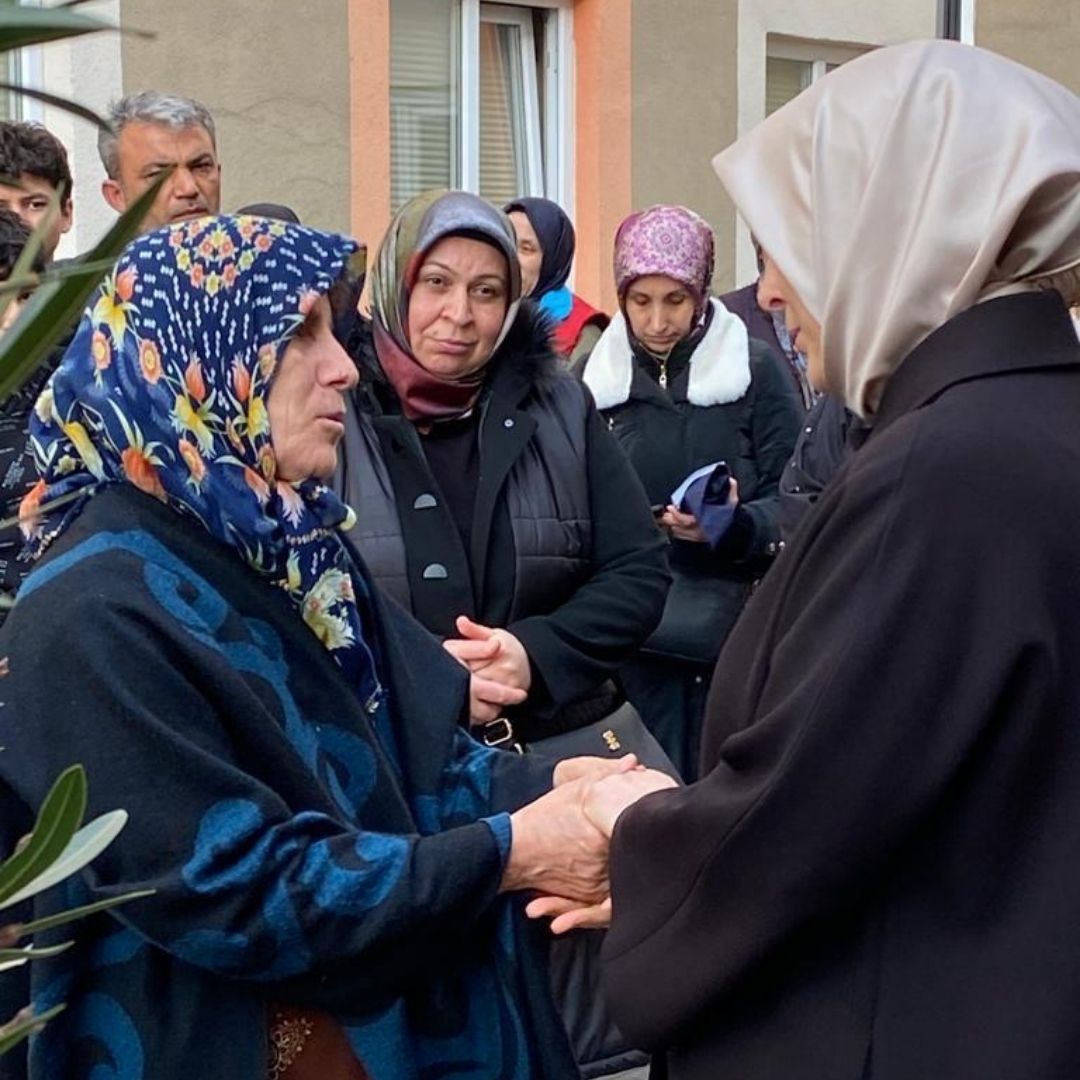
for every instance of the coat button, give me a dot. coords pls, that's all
(427, 501)
(435, 572)
(508, 423)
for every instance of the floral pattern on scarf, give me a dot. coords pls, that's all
(165, 387)
(668, 240)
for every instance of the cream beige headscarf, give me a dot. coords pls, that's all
(907, 186)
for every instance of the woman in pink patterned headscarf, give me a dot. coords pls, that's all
(684, 388)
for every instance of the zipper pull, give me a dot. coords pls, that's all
(663, 374)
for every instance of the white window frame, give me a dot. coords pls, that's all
(819, 54)
(555, 179)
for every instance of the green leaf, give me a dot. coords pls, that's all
(60, 301)
(57, 823)
(13, 1032)
(25, 262)
(86, 845)
(58, 102)
(13, 958)
(63, 917)
(22, 26)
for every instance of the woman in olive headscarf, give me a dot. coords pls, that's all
(545, 244)
(491, 499)
(877, 877)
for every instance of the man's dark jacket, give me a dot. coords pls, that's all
(877, 879)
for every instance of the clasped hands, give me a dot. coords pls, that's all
(560, 841)
(498, 666)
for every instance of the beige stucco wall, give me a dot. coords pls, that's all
(684, 97)
(275, 75)
(1044, 34)
(843, 22)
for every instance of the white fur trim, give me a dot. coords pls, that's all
(719, 366)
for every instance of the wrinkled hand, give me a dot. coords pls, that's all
(569, 915)
(556, 849)
(685, 526)
(492, 652)
(592, 768)
(606, 799)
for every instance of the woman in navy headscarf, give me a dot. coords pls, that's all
(545, 243)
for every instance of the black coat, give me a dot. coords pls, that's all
(878, 877)
(574, 641)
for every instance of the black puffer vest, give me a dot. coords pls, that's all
(531, 525)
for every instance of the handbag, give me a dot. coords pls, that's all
(615, 735)
(698, 615)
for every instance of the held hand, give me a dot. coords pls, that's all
(569, 915)
(592, 768)
(492, 652)
(488, 700)
(682, 526)
(606, 799)
(685, 526)
(556, 849)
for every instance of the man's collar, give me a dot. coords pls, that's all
(1022, 332)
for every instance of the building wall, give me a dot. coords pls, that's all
(685, 106)
(842, 22)
(86, 70)
(1044, 34)
(275, 75)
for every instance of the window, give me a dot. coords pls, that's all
(792, 64)
(480, 98)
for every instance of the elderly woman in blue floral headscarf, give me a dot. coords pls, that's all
(326, 846)
(684, 388)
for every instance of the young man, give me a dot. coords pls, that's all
(37, 160)
(150, 132)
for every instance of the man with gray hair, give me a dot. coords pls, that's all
(150, 132)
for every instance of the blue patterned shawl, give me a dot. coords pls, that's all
(165, 386)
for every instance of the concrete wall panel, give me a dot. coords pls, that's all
(684, 109)
(1044, 34)
(275, 74)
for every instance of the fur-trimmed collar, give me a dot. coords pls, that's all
(719, 365)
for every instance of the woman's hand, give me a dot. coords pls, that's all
(685, 526)
(606, 799)
(491, 652)
(488, 699)
(569, 915)
(556, 849)
(592, 768)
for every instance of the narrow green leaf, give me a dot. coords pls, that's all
(85, 846)
(64, 917)
(58, 102)
(25, 262)
(13, 1032)
(59, 302)
(57, 822)
(15, 957)
(22, 26)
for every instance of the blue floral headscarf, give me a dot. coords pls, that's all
(165, 386)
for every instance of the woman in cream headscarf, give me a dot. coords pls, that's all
(878, 876)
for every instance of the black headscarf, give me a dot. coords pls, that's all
(556, 235)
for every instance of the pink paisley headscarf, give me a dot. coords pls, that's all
(668, 240)
(903, 188)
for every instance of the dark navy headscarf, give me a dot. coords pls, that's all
(556, 235)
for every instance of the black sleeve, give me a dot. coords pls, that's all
(576, 647)
(842, 753)
(776, 419)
